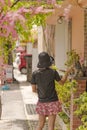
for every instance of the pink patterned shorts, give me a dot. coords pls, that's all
(48, 108)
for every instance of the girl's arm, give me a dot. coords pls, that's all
(64, 78)
(34, 88)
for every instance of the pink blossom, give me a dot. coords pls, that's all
(44, 11)
(57, 6)
(23, 10)
(66, 12)
(53, 2)
(49, 1)
(9, 3)
(2, 2)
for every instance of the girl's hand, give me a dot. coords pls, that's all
(70, 69)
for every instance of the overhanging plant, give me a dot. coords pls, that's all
(73, 58)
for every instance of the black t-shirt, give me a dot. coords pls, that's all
(45, 81)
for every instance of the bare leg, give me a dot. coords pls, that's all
(41, 122)
(51, 122)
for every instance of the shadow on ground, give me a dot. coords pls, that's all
(17, 124)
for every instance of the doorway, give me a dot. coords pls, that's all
(63, 34)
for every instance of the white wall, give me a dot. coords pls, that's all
(34, 59)
(29, 48)
(34, 52)
(61, 44)
(40, 39)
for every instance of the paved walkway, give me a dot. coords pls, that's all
(13, 116)
(18, 108)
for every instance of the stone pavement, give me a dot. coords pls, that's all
(18, 108)
(13, 116)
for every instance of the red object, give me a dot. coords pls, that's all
(22, 66)
(23, 61)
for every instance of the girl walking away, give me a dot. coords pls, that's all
(43, 82)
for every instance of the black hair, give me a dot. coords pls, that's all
(52, 60)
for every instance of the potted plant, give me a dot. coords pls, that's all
(81, 110)
(73, 58)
